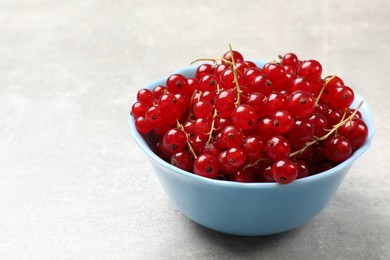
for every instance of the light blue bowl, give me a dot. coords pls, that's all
(249, 209)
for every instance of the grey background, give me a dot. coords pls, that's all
(73, 184)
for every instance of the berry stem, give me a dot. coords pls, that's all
(261, 159)
(212, 126)
(323, 88)
(214, 60)
(324, 137)
(235, 76)
(180, 126)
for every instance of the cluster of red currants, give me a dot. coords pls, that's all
(236, 121)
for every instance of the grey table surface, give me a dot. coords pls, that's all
(74, 185)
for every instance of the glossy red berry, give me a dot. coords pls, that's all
(183, 160)
(290, 59)
(204, 69)
(236, 55)
(154, 114)
(143, 125)
(301, 103)
(356, 131)
(244, 174)
(138, 109)
(208, 82)
(227, 79)
(302, 169)
(145, 96)
(225, 103)
(236, 156)
(253, 147)
(337, 148)
(231, 136)
(206, 165)
(310, 69)
(284, 171)
(283, 121)
(244, 116)
(177, 84)
(202, 109)
(175, 140)
(277, 148)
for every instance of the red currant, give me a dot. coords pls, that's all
(284, 171)
(337, 148)
(277, 148)
(206, 165)
(244, 116)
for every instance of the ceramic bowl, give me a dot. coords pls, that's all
(248, 209)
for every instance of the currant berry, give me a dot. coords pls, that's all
(290, 59)
(356, 131)
(250, 74)
(203, 70)
(337, 148)
(253, 148)
(158, 92)
(302, 168)
(219, 69)
(333, 116)
(202, 126)
(183, 160)
(242, 67)
(283, 121)
(301, 132)
(225, 103)
(261, 83)
(314, 154)
(143, 125)
(176, 84)
(227, 79)
(257, 101)
(310, 69)
(275, 72)
(236, 156)
(277, 148)
(145, 96)
(198, 142)
(168, 104)
(154, 114)
(208, 82)
(343, 97)
(265, 171)
(174, 140)
(206, 165)
(265, 128)
(211, 148)
(301, 84)
(244, 174)
(284, 171)
(231, 136)
(301, 103)
(319, 123)
(236, 55)
(208, 96)
(202, 109)
(224, 163)
(276, 101)
(138, 109)
(244, 116)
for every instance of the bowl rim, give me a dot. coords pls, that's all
(367, 117)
